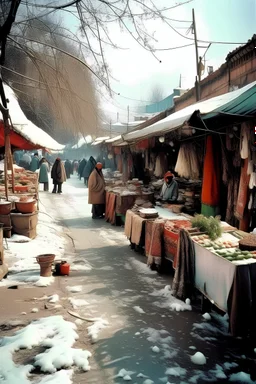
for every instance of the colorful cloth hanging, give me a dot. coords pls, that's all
(211, 180)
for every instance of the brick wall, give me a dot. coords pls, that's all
(238, 70)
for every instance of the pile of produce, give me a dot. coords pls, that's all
(227, 249)
(209, 225)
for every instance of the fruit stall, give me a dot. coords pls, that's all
(223, 261)
(19, 214)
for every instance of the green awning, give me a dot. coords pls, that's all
(243, 105)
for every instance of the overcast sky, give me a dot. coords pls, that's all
(136, 71)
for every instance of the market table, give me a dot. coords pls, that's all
(118, 205)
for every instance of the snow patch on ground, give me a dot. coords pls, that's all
(161, 337)
(176, 371)
(198, 358)
(124, 373)
(53, 299)
(241, 377)
(93, 330)
(155, 349)
(57, 336)
(76, 303)
(141, 267)
(207, 316)
(138, 309)
(60, 377)
(170, 302)
(75, 288)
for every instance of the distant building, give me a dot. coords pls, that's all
(162, 105)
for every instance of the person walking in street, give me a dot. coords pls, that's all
(96, 186)
(43, 174)
(34, 165)
(58, 175)
(68, 168)
(89, 167)
(81, 168)
(25, 161)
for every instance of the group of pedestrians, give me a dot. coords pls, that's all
(90, 170)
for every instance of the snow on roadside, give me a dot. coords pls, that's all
(94, 329)
(138, 309)
(76, 303)
(57, 336)
(74, 288)
(169, 301)
(21, 255)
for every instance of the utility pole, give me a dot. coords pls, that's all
(117, 117)
(180, 81)
(128, 117)
(198, 75)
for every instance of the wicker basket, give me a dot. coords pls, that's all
(248, 243)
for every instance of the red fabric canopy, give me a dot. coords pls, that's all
(17, 140)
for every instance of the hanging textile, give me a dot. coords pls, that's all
(233, 185)
(161, 165)
(184, 278)
(211, 180)
(244, 141)
(187, 162)
(243, 191)
(154, 241)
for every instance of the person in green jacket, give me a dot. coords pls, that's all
(43, 174)
(34, 165)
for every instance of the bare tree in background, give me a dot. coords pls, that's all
(156, 94)
(52, 66)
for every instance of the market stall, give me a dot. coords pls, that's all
(121, 196)
(20, 213)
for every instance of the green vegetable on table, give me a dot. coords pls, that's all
(210, 225)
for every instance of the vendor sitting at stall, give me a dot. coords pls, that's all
(169, 190)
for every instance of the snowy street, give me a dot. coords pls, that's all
(129, 322)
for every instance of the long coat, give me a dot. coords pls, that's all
(96, 187)
(58, 173)
(43, 173)
(89, 167)
(34, 165)
(81, 167)
(68, 168)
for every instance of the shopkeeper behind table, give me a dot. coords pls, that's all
(169, 190)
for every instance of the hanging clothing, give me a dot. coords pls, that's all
(243, 192)
(211, 180)
(161, 165)
(187, 164)
(244, 141)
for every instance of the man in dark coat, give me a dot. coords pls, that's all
(58, 175)
(68, 168)
(81, 168)
(91, 163)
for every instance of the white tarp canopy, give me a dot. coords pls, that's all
(82, 141)
(179, 118)
(25, 127)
